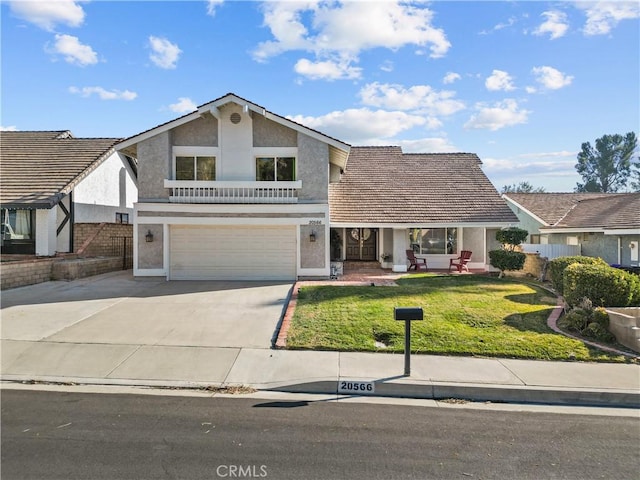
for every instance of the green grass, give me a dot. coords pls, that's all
(463, 315)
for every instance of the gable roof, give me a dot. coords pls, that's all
(38, 168)
(585, 211)
(338, 150)
(382, 185)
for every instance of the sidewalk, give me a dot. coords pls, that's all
(40, 355)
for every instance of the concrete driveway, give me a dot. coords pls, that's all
(117, 309)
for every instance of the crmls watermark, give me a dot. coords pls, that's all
(241, 471)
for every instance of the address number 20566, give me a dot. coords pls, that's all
(346, 386)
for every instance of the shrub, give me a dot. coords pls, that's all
(603, 285)
(588, 322)
(507, 260)
(557, 265)
(512, 237)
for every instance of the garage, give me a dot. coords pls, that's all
(232, 252)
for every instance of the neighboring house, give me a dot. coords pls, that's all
(233, 191)
(51, 181)
(605, 225)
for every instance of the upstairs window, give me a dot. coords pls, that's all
(434, 241)
(281, 169)
(196, 168)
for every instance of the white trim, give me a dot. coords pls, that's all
(275, 152)
(623, 231)
(417, 225)
(225, 221)
(188, 151)
(231, 184)
(157, 130)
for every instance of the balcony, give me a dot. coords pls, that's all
(181, 191)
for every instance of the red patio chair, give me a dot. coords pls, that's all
(461, 262)
(416, 263)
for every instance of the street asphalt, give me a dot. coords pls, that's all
(113, 329)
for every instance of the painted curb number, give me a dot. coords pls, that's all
(345, 386)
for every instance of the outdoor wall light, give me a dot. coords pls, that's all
(149, 236)
(312, 236)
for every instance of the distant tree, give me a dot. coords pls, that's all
(522, 187)
(607, 167)
(635, 175)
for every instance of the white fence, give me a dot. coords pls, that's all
(551, 250)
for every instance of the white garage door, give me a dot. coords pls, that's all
(233, 253)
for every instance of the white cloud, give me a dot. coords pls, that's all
(451, 77)
(509, 23)
(387, 66)
(212, 5)
(551, 78)
(183, 105)
(326, 70)
(165, 54)
(499, 80)
(502, 114)
(11, 128)
(104, 94)
(555, 24)
(361, 125)
(418, 98)
(73, 51)
(334, 30)
(47, 14)
(429, 145)
(602, 17)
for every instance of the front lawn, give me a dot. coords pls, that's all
(464, 315)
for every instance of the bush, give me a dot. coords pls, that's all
(603, 285)
(557, 265)
(507, 260)
(588, 322)
(512, 236)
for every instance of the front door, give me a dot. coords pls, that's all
(361, 244)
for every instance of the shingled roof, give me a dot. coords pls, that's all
(382, 185)
(38, 168)
(583, 210)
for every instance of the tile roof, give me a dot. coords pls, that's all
(384, 185)
(550, 207)
(583, 210)
(37, 168)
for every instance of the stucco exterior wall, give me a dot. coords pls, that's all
(473, 239)
(201, 132)
(313, 170)
(154, 163)
(526, 222)
(150, 254)
(62, 241)
(312, 254)
(267, 133)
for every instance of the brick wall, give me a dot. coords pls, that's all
(534, 266)
(84, 267)
(101, 244)
(25, 272)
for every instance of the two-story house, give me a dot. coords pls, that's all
(235, 192)
(232, 191)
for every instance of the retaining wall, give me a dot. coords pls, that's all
(624, 324)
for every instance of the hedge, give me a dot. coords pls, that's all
(603, 285)
(507, 260)
(557, 266)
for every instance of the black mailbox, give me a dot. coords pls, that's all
(408, 313)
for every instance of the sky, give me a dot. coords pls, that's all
(520, 83)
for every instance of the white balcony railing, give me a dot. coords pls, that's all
(181, 191)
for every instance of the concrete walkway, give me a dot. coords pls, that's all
(116, 330)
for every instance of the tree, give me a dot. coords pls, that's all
(635, 175)
(522, 187)
(508, 258)
(607, 167)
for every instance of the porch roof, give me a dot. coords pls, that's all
(383, 185)
(37, 168)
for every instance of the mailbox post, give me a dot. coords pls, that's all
(408, 314)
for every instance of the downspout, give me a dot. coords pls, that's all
(619, 250)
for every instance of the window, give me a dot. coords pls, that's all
(281, 169)
(195, 168)
(122, 217)
(434, 241)
(17, 224)
(534, 239)
(572, 240)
